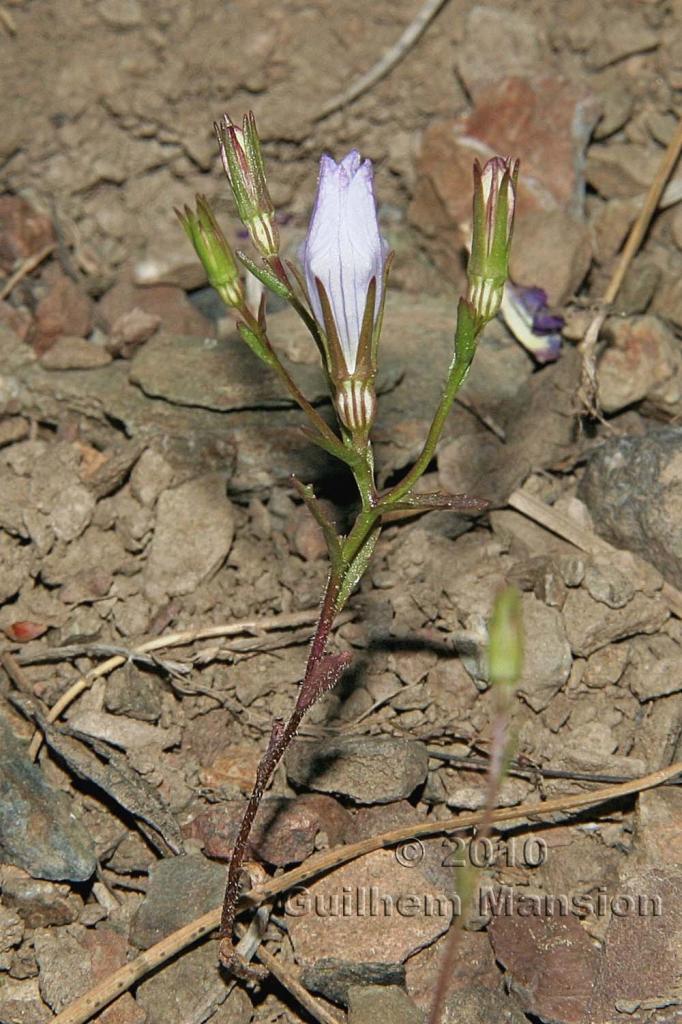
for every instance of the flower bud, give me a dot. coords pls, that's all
(240, 152)
(214, 251)
(505, 639)
(494, 202)
(344, 258)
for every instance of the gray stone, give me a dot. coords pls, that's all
(607, 584)
(332, 978)
(193, 535)
(654, 667)
(552, 964)
(658, 828)
(64, 966)
(547, 661)
(180, 889)
(20, 1002)
(189, 989)
(368, 769)
(212, 374)
(11, 929)
(642, 361)
(37, 902)
(591, 624)
(479, 1005)
(368, 1004)
(633, 488)
(38, 830)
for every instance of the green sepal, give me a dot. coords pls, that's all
(256, 344)
(356, 570)
(266, 277)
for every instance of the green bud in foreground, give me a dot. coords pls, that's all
(505, 644)
(494, 203)
(214, 251)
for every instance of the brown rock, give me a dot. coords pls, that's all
(285, 830)
(11, 934)
(527, 118)
(642, 362)
(20, 1002)
(621, 169)
(611, 225)
(368, 769)
(668, 301)
(18, 319)
(306, 535)
(169, 304)
(658, 828)
(606, 666)
(551, 249)
(371, 910)
(192, 537)
(551, 964)
(548, 660)
(591, 624)
(289, 837)
(643, 951)
(191, 989)
(65, 309)
(23, 231)
(475, 965)
(72, 961)
(130, 330)
(495, 42)
(70, 353)
(39, 903)
(370, 1003)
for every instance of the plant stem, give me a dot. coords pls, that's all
(273, 755)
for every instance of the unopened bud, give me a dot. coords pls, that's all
(214, 251)
(505, 635)
(240, 152)
(494, 204)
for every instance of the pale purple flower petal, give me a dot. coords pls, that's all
(527, 317)
(343, 248)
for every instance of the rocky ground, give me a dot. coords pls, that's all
(144, 497)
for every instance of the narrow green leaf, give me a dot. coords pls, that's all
(266, 277)
(356, 570)
(256, 344)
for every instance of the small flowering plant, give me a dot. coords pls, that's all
(339, 291)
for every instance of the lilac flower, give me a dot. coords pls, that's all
(342, 254)
(526, 314)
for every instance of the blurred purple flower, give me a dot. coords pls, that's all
(344, 250)
(528, 318)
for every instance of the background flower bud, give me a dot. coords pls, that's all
(494, 205)
(213, 250)
(242, 158)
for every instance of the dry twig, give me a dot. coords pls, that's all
(389, 60)
(27, 267)
(188, 636)
(589, 390)
(121, 980)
